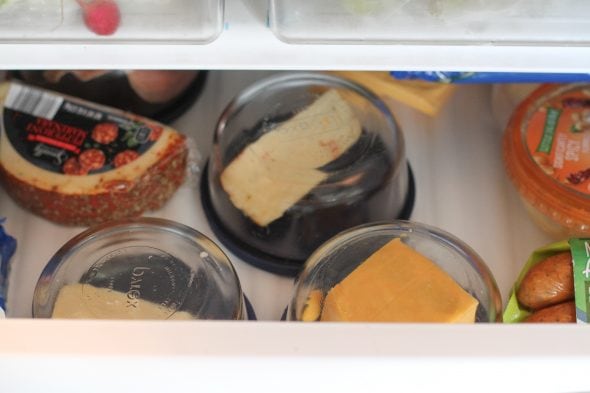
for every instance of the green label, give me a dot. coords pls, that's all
(581, 263)
(549, 130)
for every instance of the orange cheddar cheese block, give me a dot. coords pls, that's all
(397, 284)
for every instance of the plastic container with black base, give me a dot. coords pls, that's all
(298, 158)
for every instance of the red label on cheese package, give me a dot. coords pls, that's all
(70, 136)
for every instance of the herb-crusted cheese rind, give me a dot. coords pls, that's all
(273, 173)
(397, 284)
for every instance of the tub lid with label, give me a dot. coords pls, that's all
(547, 153)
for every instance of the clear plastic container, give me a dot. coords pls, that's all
(144, 268)
(186, 21)
(342, 254)
(431, 21)
(547, 157)
(298, 158)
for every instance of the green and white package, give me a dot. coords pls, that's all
(581, 259)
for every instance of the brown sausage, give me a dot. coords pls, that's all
(560, 313)
(547, 283)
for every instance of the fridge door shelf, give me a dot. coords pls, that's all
(247, 42)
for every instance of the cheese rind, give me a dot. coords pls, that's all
(273, 173)
(144, 182)
(397, 284)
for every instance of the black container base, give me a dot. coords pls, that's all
(249, 309)
(270, 263)
(185, 101)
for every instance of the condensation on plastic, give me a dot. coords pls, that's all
(431, 21)
(194, 163)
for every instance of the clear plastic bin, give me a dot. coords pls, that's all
(183, 21)
(431, 21)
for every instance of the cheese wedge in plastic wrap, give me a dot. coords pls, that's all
(281, 167)
(78, 163)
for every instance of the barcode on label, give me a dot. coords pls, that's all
(33, 101)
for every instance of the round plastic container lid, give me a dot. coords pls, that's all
(547, 153)
(143, 268)
(336, 259)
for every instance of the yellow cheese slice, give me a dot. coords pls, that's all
(80, 301)
(313, 307)
(397, 284)
(427, 97)
(273, 173)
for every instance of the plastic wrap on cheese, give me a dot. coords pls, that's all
(78, 163)
(7, 248)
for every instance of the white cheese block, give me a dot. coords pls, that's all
(281, 167)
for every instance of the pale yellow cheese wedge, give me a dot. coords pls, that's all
(397, 284)
(273, 173)
(264, 192)
(78, 301)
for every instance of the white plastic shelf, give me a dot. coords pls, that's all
(432, 21)
(461, 188)
(145, 21)
(247, 43)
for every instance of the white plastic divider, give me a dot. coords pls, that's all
(247, 43)
(99, 356)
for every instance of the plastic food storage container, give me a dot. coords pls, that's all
(298, 158)
(144, 268)
(342, 255)
(184, 21)
(431, 21)
(163, 95)
(547, 157)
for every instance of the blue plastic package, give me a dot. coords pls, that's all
(489, 77)
(7, 248)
